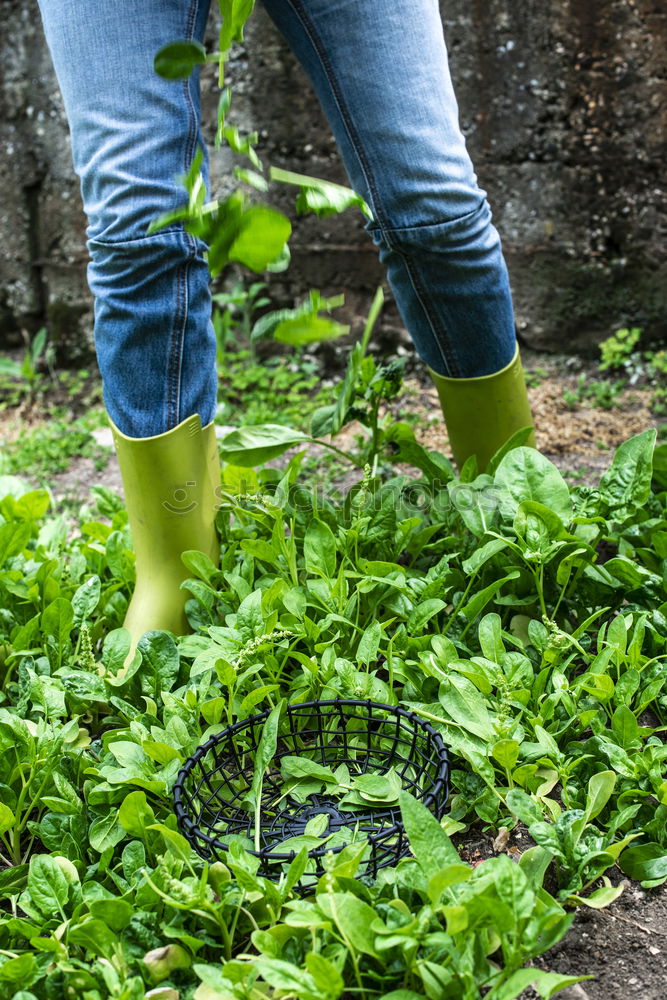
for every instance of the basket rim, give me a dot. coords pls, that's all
(292, 708)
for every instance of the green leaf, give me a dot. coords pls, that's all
(234, 14)
(250, 446)
(283, 975)
(261, 237)
(422, 614)
(318, 196)
(13, 880)
(250, 617)
(600, 788)
(319, 549)
(602, 897)
(177, 60)
(630, 574)
(105, 832)
(369, 643)
(465, 705)
(528, 475)
(547, 984)
(647, 862)
(304, 330)
(21, 970)
(85, 599)
(624, 725)
(626, 485)
(322, 421)
(328, 979)
(477, 502)
(519, 437)
(159, 662)
(302, 324)
(13, 539)
(479, 601)
(266, 751)
(403, 995)
(199, 564)
(115, 913)
(524, 806)
(135, 814)
(47, 885)
(57, 620)
(406, 449)
(353, 917)
(178, 845)
(7, 818)
(482, 555)
(378, 787)
(296, 869)
(93, 935)
(506, 752)
(537, 524)
(302, 767)
(534, 863)
(429, 843)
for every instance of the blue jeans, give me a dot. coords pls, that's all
(380, 70)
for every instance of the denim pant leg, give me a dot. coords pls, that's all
(133, 134)
(380, 70)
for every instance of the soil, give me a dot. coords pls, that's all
(624, 947)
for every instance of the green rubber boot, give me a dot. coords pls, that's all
(169, 482)
(482, 413)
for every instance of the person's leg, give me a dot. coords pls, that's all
(380, 70)
(133, 134)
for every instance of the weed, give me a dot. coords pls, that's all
(617, 350)
(535, 376)
(603, 394)
(256, 392)
(51, 446)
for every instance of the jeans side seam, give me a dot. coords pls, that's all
(311, 32)
(175, 348)
(419, 290)
(178, 331)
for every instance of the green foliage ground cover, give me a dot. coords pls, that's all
(523, 619)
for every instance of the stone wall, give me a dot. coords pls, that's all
(564, 105)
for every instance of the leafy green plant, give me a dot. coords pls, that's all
(483, 605)
(618, 348)
(526, 620)
(252, 392)
(24, 381)
(51, 446)
(604, 394)
(431, 927)
(234, 312)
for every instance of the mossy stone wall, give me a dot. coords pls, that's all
(564, 106)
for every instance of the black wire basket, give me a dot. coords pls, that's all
(369, 738)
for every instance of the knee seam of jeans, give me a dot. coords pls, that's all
(391, 235)
(187, 243)
(315, 41)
